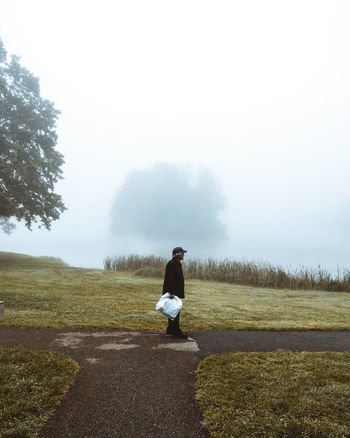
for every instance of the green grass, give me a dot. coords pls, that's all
(85, 298)
(272, 395)
(32, 384)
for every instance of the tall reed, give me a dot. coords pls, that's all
(244, 272)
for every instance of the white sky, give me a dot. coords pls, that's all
(258, 91)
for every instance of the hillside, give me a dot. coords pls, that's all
(13, 261)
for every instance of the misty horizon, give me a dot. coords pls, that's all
(257, 94)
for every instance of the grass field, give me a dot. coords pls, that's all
(289, 395)
(32, 384)
(60, 296)
(241, 395)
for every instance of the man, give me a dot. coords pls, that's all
(174, 283)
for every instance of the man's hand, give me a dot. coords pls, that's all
(171, 296)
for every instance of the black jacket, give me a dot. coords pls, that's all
(174, 282)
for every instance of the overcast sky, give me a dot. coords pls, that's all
(256, 91)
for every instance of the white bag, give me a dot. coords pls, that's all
(170, 307)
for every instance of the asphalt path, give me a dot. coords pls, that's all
(218, 342)
(141, 384)
(130, 384)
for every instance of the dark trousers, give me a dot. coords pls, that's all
(174, 326)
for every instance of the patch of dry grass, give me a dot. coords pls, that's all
(248, 273)
(274, 395)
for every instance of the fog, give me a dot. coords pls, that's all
(165, 204)
(257, 93)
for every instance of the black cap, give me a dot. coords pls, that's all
(178, 249)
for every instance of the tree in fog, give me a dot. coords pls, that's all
(165, 202)
(29, 163)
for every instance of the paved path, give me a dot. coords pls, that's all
(138, 384)
(217, 342)
(130, 384)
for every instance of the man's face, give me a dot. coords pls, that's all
(181, 255)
